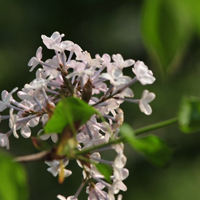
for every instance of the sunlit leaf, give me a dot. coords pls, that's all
(13, 179)
(105, 170)
(189, 115)
(153, 148)
(67, 111)
(192, 8)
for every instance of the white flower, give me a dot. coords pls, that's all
(4, 141)
(120, 161)
(143, 74)
(68, 198)
(87, 59)
(105, 59)
(69, 46)
(54, 39)
(147, 97)
(120, 62)
(13, 123)
(6, 99)
(121, 173)
(116, 77)
(96, 139)
(55, 167)
(53, 136)
(117, 186)
(96, 192)
(25, 127)
(61, 197)
(61, 47)
(37, 84)
(34, 61)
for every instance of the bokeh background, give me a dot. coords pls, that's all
(165, 34)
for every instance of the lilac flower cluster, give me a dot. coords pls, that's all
(98, 81)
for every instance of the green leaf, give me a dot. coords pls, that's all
(153, 148)
(13, 179)
(68, 111)
(164, 25)
(192, 8)
(105, 170)
(189, 115)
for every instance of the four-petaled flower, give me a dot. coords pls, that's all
(143, 74)
(34, 61)
(55, 167)
(147, 97)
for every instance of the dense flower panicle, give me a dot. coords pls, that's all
(98, 81)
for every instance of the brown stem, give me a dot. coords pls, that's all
(44, 155)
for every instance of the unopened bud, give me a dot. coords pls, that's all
(87, 91)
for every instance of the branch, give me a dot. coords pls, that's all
(50, 155)
(136, 132)
(33, 157)
(156, 126)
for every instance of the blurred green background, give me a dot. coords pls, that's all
(165, 34)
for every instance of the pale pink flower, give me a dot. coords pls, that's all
(143, 74)
(34, 61)
(120, 62)
(147, 97)
(55, 38)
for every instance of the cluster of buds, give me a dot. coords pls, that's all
(100, 83)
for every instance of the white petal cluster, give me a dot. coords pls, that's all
(98, 81)
(54, 167)
(143, 74)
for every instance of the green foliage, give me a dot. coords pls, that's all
(105, 170)
(13, 179)
(68, 111)
(167, 26)
(189, 115)
(153, 148)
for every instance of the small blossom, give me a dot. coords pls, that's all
(62, 45)
(143, 74)
(116, 77)
(147, 97)
(13, 123)
(105, 59)
(61, 197)
(120, 62)
(53, 136)
(26, 131)
(54, 39)
(55, 167)
(6, 99)
(96, 192)
(4, 141)
(87, 59)
(37, 84)
(34, 61)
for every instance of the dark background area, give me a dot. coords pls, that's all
(100, 26)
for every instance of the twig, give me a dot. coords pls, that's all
(33, 157)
